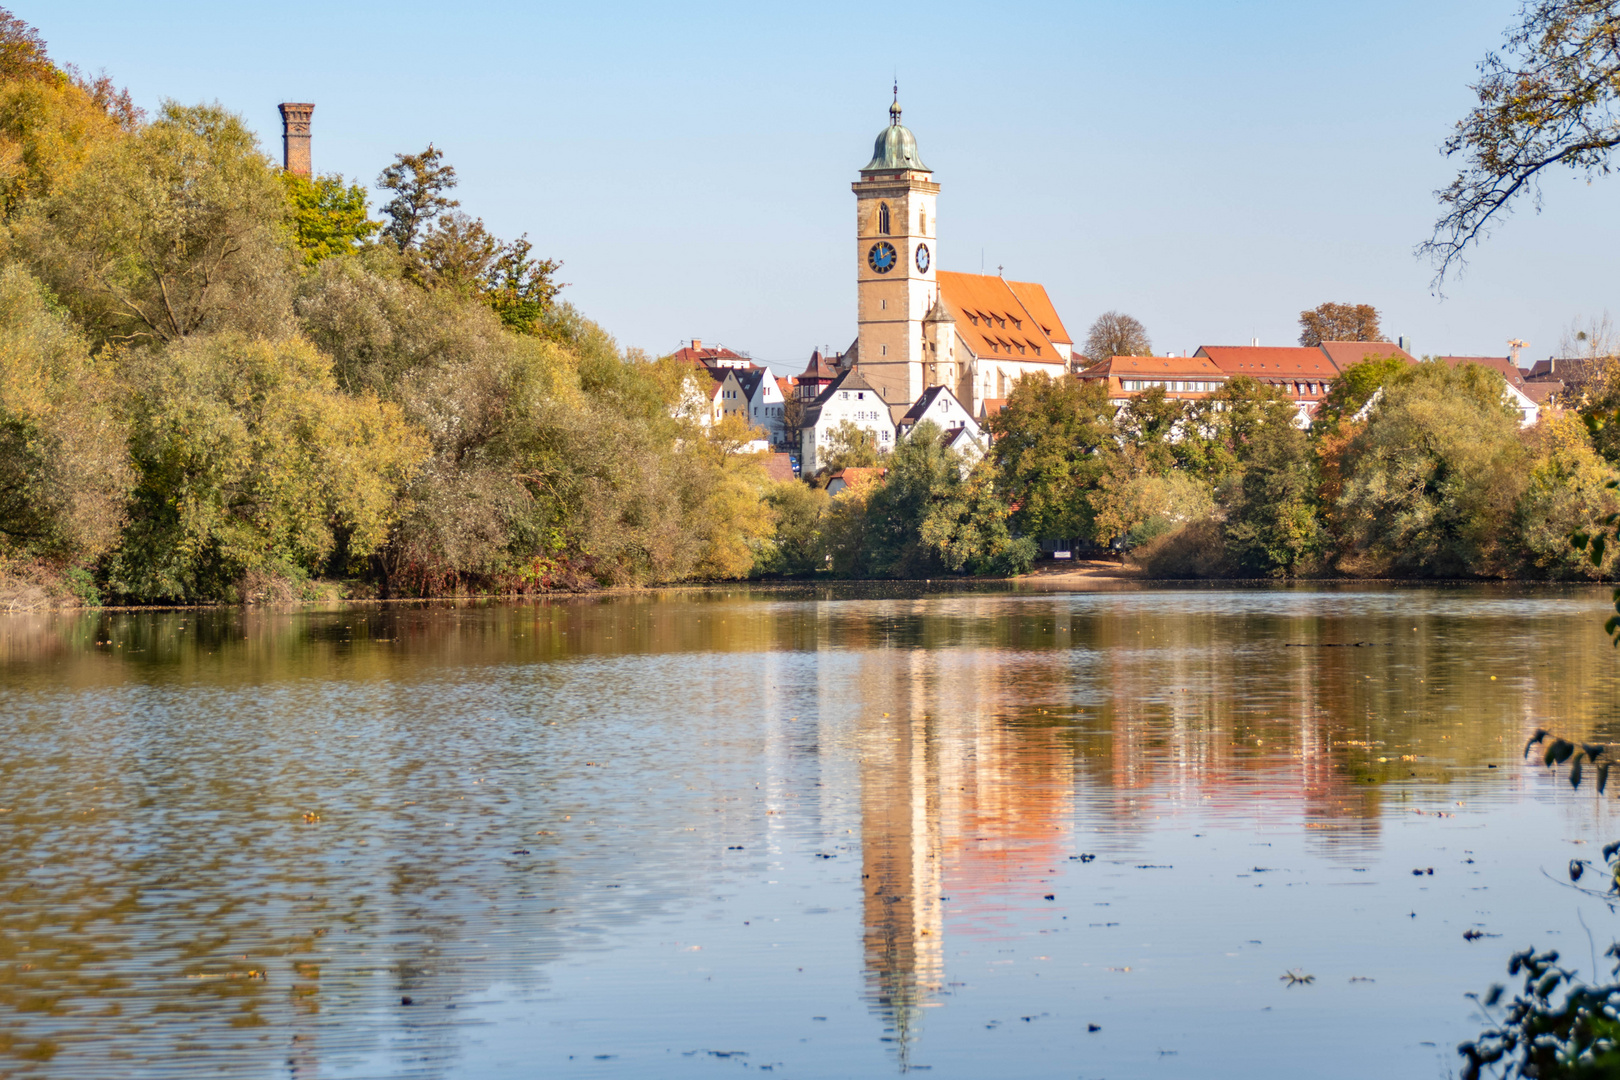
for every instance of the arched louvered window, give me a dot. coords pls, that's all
(883, 218)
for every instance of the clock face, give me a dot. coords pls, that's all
(882, 257)
(922, 258)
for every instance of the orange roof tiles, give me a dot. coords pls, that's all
(1263, 362)
(1345, 353)
(1155, 367)
(1038, 304)
(780, 467)
(994, 321)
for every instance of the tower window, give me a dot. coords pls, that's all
(883, 350)
(922, 222)
(883, 218)
(883, 305)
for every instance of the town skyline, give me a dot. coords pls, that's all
(1231, 202)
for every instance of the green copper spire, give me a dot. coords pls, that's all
(896, 147)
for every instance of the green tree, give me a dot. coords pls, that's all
(1220, 430)
(1547, 99)
(849, 446)
(798, 509)
(1151, 421)
(521, 289)
(251, 461)
(1339, 322)
(968, 528)
(922, 473)
(1047, 447)
(328, 216)
(64, 466)
(1272, 526)
(169, 232)
(1352, 388)
(1432, 478)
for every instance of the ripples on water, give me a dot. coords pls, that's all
(819, 834)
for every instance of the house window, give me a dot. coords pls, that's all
(883, 218)
(1020, 350)
(1001, 322)
(844, 394)
(860, 395)
(974, 319)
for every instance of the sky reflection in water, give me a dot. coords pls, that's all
(820, 834)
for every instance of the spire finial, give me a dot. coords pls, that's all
(894, 110)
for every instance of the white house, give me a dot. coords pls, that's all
(850, 398)
(762, 396)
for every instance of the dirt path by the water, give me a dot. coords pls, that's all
(1084, 570)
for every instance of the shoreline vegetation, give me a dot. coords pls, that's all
(221, 383)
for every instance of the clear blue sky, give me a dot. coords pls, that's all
(1211, 168)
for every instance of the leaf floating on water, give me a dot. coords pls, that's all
(1534, 739)
(1576, 868)
(1559, 751)
(1603, 776)
(1575, 774)
(1593, 750)
(1296, 977)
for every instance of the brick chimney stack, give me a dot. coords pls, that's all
(295, 136)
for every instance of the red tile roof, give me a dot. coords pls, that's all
(704, 355)
(1345, 353)
(994, 321)
(1270, 362)
(779, 467)
(1038, 304)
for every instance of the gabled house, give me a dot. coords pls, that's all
(939, 405)
(850, 398)
(763, 402)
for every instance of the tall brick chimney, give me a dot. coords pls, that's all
(295, 136)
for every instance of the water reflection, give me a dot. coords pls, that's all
(241, 841)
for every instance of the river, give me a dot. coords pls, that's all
(819, 833)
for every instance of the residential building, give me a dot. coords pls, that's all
(1304, 374)
(851, 398)
(763, 403)
(1184, 378)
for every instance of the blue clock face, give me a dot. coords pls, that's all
(922, 258)
(882, 257)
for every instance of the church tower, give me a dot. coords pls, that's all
(894, 252)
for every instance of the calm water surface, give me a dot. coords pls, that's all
(1011, 834)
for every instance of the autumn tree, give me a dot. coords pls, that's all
(174, 230)
(1547, 99)
(22, 51)
(64, 466)
(1116, 334)
(1339, 322)
(420, 184)
(446, 249)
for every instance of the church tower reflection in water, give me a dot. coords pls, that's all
(969, 807)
